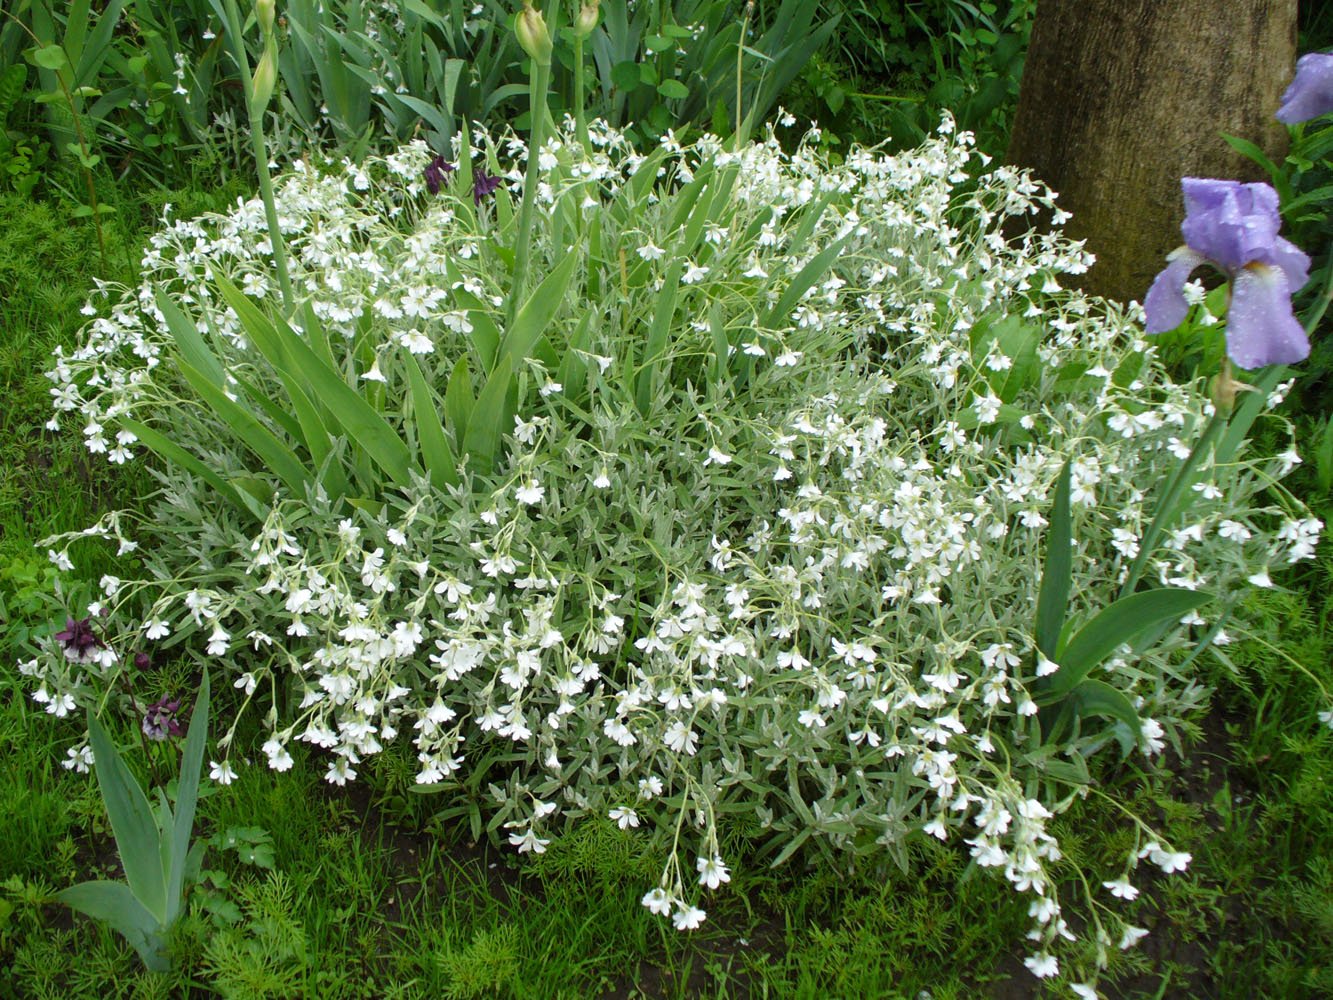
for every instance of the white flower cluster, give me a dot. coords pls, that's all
(789, 573)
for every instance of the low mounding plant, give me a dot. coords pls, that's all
(738, 515)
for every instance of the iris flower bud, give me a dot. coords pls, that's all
(533, 36)
(264, 13)
(587, 18)
(266, 76)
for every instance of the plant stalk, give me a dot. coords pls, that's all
(259, 148)
(540, 81)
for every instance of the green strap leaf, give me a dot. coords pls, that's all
(132, 823)
(258, 438)
(1053, 599)
(346, 407)
(1119, 623)
(187, 796)
(172, 452)
(116, 905)
(1093, 697)
(439, 458)
(535, 315)
(805, 279)
(189, 341)
(458, 401)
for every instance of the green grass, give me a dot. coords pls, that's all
(366, 892)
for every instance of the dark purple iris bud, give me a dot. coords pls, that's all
(160, 722)
(78, 640)
(142, 661)
(483, 184)
(436, 171)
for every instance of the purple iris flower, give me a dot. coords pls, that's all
(435, 173)
(160, 722)
(1234, 226)
(1311, 92)
(79, 640)
(483, 184)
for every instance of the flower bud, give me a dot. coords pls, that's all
(533, 36)
(266, 76)
(587, 18)
(264, 13)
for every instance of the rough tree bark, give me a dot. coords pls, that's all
(1122, 98)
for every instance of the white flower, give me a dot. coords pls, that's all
(278, 757)
(78, 759)
(716, 457)
(625, 817)
(687, 918)
(1171, 861)
(1083, 991)
(681, 738)
(223, 773)
(1121, 889)
(1260, 579)
(528, 841)
(1042, 965)
(602, 480)
(1132, 936)
(218, 642)
(156, 629)
(1045, 667)
(530, 492)
(712, 872)
(658, 901)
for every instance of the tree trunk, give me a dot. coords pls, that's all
(1122, 98)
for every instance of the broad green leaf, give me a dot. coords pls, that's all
(673, 90)
(487, 423)
(663, 314)
(805, 279)
(535, 315)
(439, 459)
(353, 415)
(278, 458)
(1117, 624)
(1093, 697)
(189, 341)
(114, 904)
(132, 823)
(458, 402)
(173, 452)
(50, 57)
(187, 795)
(1056, 575)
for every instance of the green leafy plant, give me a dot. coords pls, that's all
(153, 840)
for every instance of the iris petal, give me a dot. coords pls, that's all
(1261, 328)
(1165, 305)
(1311, 92)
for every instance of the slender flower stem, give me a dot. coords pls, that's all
(540, 81)
(740, 55)
(580, 113)
(259, 148)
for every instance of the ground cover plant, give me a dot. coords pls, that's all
(776, 628)
(786, 421)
